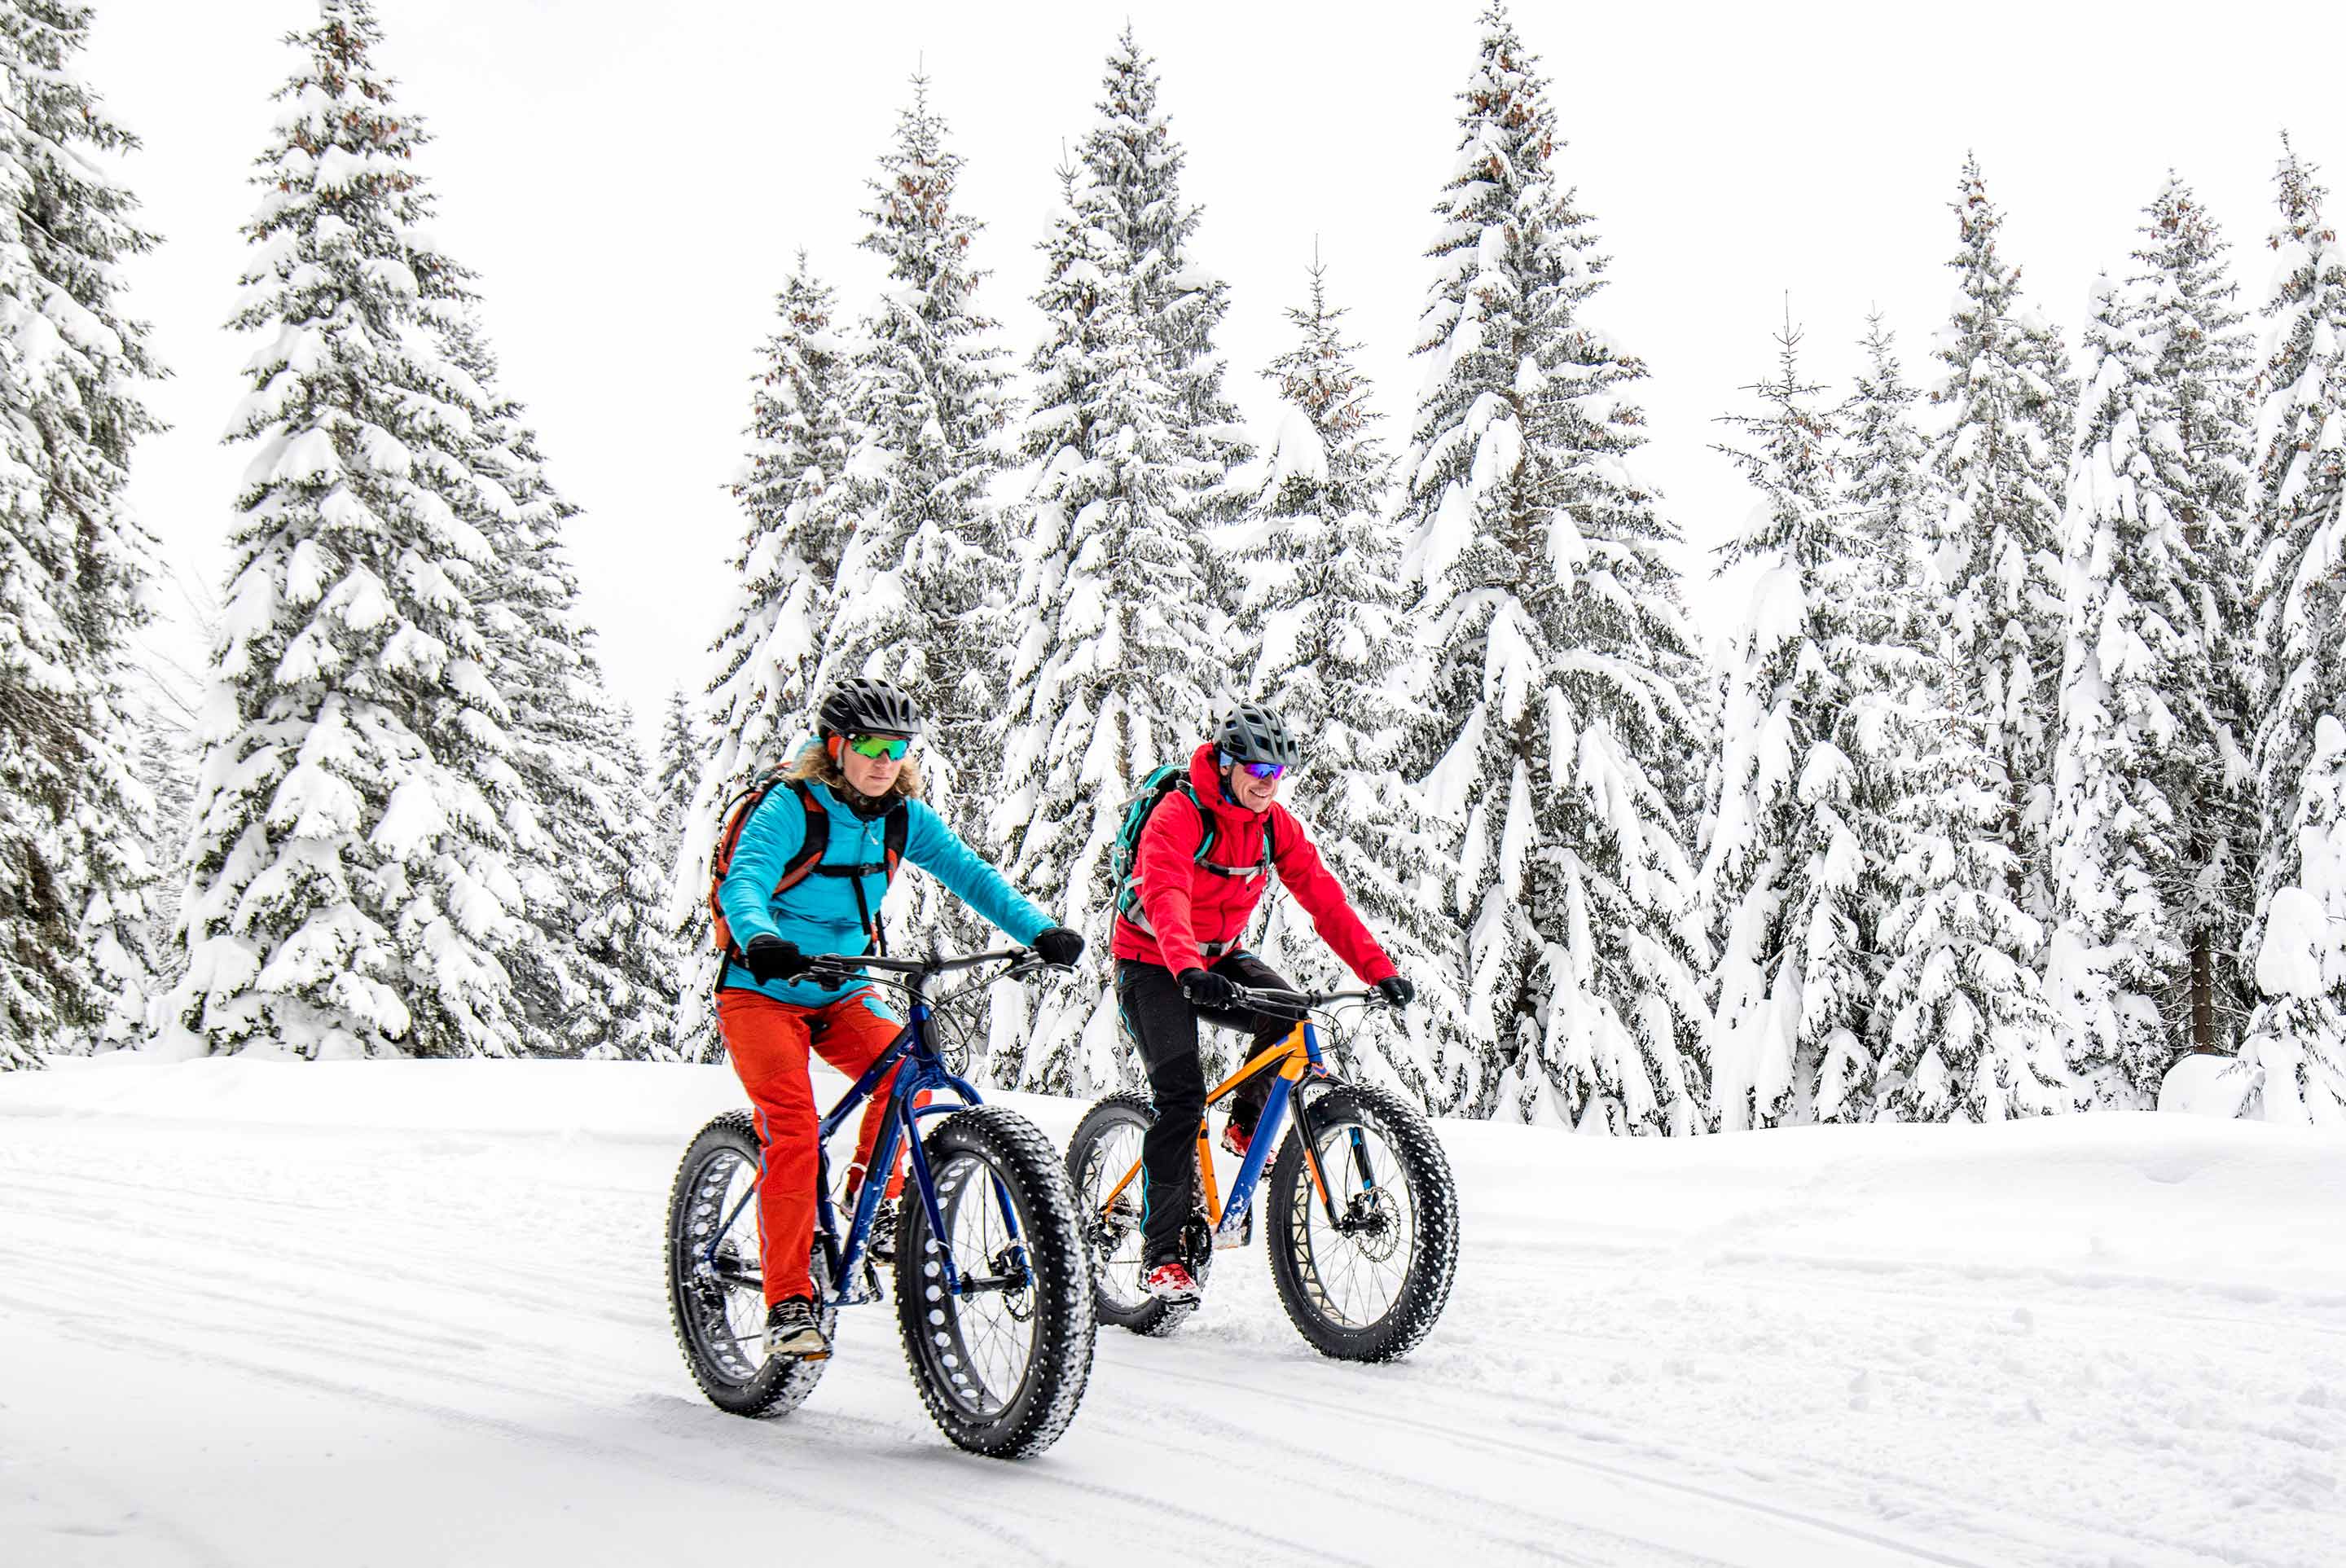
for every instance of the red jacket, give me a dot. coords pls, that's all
(1190, 906)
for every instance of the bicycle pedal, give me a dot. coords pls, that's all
(1236, 1231)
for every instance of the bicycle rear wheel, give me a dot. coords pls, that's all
(1106, 1145)
(1369, 1285)
(1001, 1368)
(715, 1298)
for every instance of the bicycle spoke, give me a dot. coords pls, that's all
(1361, 1268)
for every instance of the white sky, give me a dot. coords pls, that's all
(631, 180)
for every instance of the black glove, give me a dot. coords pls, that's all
(1396, 990)
(770, 959)
(1214, 992)
(1058, 946)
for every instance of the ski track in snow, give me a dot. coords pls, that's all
(260, 1316)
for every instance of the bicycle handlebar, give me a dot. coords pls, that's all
(1024, 961)
(1294, 1004)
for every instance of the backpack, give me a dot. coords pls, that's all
(1122, 860)
(808, 861)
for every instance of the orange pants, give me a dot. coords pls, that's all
(768, 1042)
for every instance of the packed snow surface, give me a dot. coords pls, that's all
(413, 1312)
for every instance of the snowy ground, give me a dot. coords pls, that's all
(413, 1313)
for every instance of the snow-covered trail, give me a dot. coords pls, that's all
(413, 1311)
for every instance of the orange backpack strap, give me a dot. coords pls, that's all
(745, 806)
(816, 840)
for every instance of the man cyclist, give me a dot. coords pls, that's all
(859, 774)
(1200, 866)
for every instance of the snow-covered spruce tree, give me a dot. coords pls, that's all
(1323, 613)
(1136, 162)
(624, 939)
(1115, 666)
(1888, 493)
(676, 773)
(1560, 719)
(2114, 950)
(597, 972)
(2149, 828)
(75, 960)
(1998, 462)
(926, 559)
(350, 884)
(1966, 1031)
(2296, 1039)
(754, 710)
(1787, 884)
(2295, 1047)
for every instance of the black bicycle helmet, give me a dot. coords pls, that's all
(1253, 733)
(863, 706)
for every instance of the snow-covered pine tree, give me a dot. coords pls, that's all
(1560, 724)
(2296, 1039)
(754, 710)
(597, 972)
(74, 959)
(1999, 463)
(676, 773)
(925, 562)
(628, 948)
(1136, 162)
(2148, 820)
(2114, 948)
(1887, 491)
(1966, 1031)
(1787, 884)
(2295, 1045)
(1116, 665)
(1323, 614)
(350, 891)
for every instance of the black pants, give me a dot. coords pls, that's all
(1165, 1026)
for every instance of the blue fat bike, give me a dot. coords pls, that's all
(994, 1302)
(1360, 1215)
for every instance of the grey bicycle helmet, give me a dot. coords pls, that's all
(863, 706)
(1253, 733)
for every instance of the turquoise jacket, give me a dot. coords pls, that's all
(818, 914)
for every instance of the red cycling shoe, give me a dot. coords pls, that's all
(1171, 1283)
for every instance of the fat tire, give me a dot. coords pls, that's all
(1062, 1363)
(1152, 1317)
(777, 1385)
(1425, 1287)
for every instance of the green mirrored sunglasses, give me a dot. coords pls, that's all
(881, 748)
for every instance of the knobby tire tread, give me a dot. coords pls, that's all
(1152, 1319)
(1057, 1252)
(782, 1385)
(1425, 1290)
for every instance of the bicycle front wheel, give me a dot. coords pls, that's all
(1002, 1365)
(1369, 1284)
(716, 1299)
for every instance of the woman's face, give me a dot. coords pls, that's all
(870, 776)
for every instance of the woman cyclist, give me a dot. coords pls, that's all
(1200, 866)
(857, 787)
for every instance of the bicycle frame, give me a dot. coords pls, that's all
(924, 1072)
(1293, 1058)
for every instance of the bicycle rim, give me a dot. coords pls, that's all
(1114, 1234)
(728, 1320)
(1360, 1271)
(982, 1346)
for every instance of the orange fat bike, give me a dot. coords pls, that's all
(1359, 1212)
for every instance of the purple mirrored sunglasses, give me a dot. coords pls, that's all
(1260, 770)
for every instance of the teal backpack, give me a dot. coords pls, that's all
(1122, 860)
